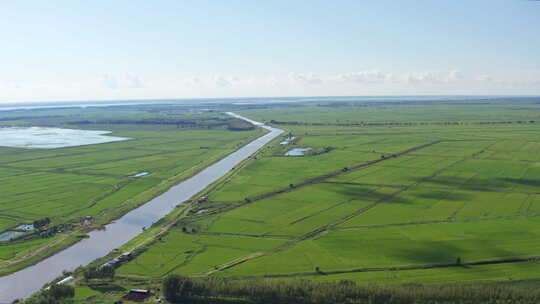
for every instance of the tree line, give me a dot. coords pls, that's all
(233, 124)
(178, 289)
(396, 124)
(56, 294)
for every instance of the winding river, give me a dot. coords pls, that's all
(23, 283)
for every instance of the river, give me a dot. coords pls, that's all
(25, 282)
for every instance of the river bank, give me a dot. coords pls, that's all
(24, 282)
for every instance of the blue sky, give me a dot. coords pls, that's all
(86, 50)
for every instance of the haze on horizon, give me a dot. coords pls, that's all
(107, 50)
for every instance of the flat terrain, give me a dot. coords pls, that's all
(66, 185)
(423, 193)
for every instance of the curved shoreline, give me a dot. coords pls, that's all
(24, 282)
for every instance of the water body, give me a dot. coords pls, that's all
(16, 232)
(25, 227)
(27, 281)
(297, 152)
(51, 138)
(141, 174)
(287, 140)
(8, 235)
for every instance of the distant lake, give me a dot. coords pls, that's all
(50, 138)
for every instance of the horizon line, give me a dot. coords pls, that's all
(6, 103)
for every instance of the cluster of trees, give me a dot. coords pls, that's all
(394, 123)
(235, 124)
(186, 230)
(205, 123)
(41, 222)
(51, 231)
(102, 272)
(29, 117)
(56, 294)
(177, 289)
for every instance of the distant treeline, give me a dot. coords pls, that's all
(204, 123)
(12, 118)
(179, 289)
(413, 101)
(395, 123)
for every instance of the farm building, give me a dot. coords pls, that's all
(137, 295)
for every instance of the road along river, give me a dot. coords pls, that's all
(25, 282)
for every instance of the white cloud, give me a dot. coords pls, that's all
(10, 85)
(222, 81)
(192, 81)
(226, 81)
(434, 77)
(484, 78)
(455, 75)
(133, 81)
(109, 81)
(369, 76)
(216, 81)
(127, 80)
(361, 82)
(305, 78)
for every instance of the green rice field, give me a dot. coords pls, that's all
(405, 193)
(69, 184)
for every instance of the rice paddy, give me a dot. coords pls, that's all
(74, 179)
(440, 193)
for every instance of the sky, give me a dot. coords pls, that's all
(133, 49)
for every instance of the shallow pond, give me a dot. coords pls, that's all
(141, 174)
(8, 235)
(25, 227)
(287, 140)
(297, 152)
(50, 138)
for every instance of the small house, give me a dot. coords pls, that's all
(124, 256)
(137, 295)
(112, 263)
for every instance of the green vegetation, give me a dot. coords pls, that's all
(420, 194)
(66, 192)
(178, 289)
(408, 193)
(56, 294)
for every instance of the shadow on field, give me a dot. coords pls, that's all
(480, 183)
(472, 184)
(440, 252)
(429, 252)
(370, 195)
(446, 195)
(525, 182)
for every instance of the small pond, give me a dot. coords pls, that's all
(287, 141)
(297, 152)
(16, 232)
(25, 227)
(141, 174)
(8, 235)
